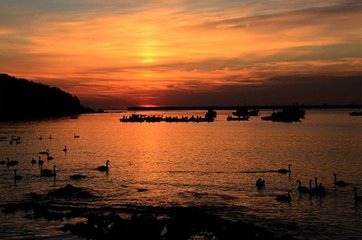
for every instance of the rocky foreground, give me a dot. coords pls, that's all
(134, 223)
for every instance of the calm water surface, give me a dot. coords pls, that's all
(194, 164)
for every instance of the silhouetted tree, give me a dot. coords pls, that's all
(23, 99)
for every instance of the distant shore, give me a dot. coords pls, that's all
(164, 108)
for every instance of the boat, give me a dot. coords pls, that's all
(245, 111)
(134, 118)
(176, 119)
(287, 114)
(211, 114)
(241, 118)
(356, 113)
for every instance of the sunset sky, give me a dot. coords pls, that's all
(119, 53)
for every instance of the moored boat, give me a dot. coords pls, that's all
(287, 114)
(355, 113)
(241, 118)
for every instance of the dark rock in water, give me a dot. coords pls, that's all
(183, 223)
(69, 191)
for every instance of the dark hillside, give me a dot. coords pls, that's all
(23, 99)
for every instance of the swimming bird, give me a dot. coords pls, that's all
(40, 162)
(302, 189)
(47, 172)
(104, 168)
(339, 183)
(17, 177)
(46, 152)
(284, 198)
(33, 161)
(49, 158)
(77, 176)
(65, 149)
(11, 162)
(76, 136)
(357, 199)
(319, 189)
(260, 183)
(285, 171)
(2, 162)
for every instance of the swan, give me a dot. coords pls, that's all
(104, 168)
(284, 198)
(339, 183)
(17, 177)
(33, 161)
(40, 162)
(47, 172)
(302, 189)
(46, 152)
(76, 136)
(260, 183)
(319, 189)
(2, 162)
(77, 176)
(65, 149)
(49, 158)
(11, 162)
(357, 199)
(285, 171)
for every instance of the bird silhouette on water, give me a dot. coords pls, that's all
(339, 183)
(285, 171)
(104, 168)
(357, 199)
(77, 177)
(284, 198)
(260, 183)
(47, 172)
(17, 177)
(302, 189)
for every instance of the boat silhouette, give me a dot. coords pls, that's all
(287, 114)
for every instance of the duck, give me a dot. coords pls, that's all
(76, 136)
(285, 171)
(284, 198)
(339, 183)
(33, 161)
(47, 172)
(50, 158)
(260, 183)
(302, 189)
(77, 176)
(17, 177)
(104, 168)
(357, 199)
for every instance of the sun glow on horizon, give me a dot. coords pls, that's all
(154, 52)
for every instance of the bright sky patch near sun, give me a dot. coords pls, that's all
(116, 53)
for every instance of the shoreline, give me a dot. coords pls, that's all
(135, 222)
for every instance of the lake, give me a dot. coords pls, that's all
(211, 165)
